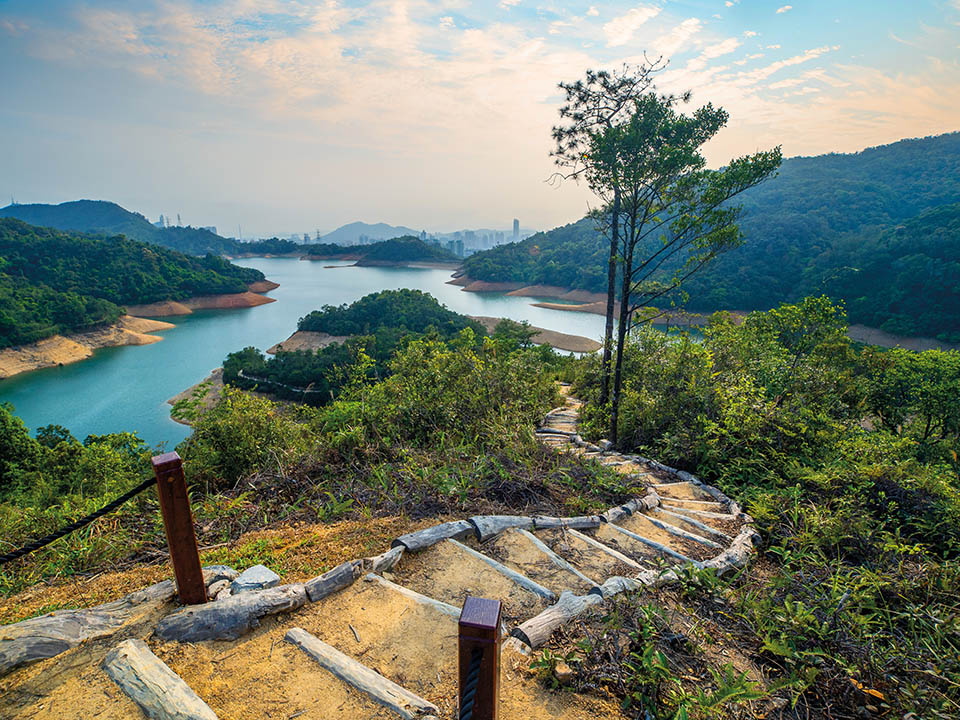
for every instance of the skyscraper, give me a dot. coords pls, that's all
(516, 229)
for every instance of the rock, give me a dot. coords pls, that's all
(159, 692)
(258, 577)
(232, 617)
(605, 445)
(563, 673)
(223, 594)
(215, 573)
(219, 586)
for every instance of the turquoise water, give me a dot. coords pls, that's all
(127, 388)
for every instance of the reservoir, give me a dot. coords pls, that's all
(126, 388)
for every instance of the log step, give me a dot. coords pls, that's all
(647, 524)
(520, 579)
(525, 553)
(635, 539)
(156, 689)
(449, 573)
(681, 491)
(686, 522)
(403, 702)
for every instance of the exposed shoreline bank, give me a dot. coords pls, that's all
(570, 300)
(65, 349)
(558, 340)
(134, 328)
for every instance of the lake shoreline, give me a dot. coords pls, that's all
(59, 350)
(571, 300)
(136, 327)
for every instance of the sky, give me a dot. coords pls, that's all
(283, 117)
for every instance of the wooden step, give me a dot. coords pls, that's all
(371, 683)
(528, 555)
(449, 573)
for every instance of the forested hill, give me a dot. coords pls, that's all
(817, 227)
(408, 248)
(55, 282)
(100, 216)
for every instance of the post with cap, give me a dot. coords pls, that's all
(479, 641)
(178, 522)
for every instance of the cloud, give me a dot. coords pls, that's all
(749, 33)
(729, 3)
(620, 30)
(593, 12)
(785, 8)
(772, 47)
(507, 4)
(677, 39)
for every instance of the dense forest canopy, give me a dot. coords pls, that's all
(377, 325)
(53, 282)
(822, 221)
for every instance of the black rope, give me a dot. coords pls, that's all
(109, 507)
(470, 689)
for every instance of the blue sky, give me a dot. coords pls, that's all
(291, 116)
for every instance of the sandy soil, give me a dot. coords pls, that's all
(517, 552)
(200, 302)
(63, 350)
(262, 286)
(559, 340)
(306, 340)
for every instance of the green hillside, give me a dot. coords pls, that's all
(53, 282)
(100, 216)
(822, 222)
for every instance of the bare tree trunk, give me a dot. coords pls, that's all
(624, 322)
(611, 299)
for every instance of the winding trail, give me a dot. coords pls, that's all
(377, 637)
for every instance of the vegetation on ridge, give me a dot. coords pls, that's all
(376, 325)
(53, 282)
(877, 229)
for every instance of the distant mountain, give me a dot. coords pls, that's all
(819, 227)
(350, 234)
(100, 216)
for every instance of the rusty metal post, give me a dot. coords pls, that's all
(178, 522)
(479, 640)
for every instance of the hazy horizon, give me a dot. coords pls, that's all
(285, 117)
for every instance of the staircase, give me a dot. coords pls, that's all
(385, 646)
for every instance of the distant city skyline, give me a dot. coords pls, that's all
(269, 114)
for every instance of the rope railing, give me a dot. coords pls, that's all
(177, 522)
(470, 687)
(76, 525)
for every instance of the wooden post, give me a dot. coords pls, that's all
(480, 629)
(178, 522)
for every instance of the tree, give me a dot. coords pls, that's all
(599, 102)
(672, 215)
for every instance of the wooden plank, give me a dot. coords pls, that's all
(630, 562)
(693, 523)
(537, 630)
(443, 607)
(655, 545)
(384, 691)
(680, 532)
(488, 526)
(554, 558)
(521, 580)
(178, 523)
(158, 691)
(422, 539)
